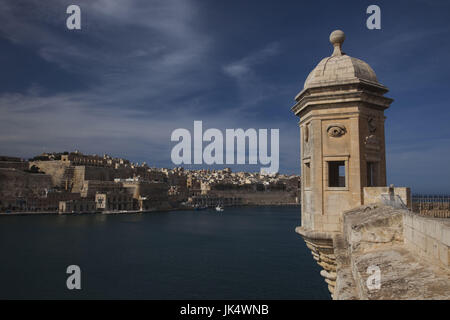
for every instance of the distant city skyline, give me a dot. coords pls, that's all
(137, 70)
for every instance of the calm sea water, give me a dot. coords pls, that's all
(242, 253)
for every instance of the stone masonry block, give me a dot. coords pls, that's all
(430, 228)
(445, 235)
(444, 255)
(408, 233)
(418, 224)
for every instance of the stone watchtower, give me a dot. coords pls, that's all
(341, 110)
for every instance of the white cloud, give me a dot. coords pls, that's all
(135, 77)
(244, 66)
(139, 83)
(251, 88)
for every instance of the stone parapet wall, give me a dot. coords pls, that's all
(394, 196)
(404, 247)
(371, 227)
(428, 237)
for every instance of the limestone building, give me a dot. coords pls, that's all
(350, 220)
(341, 110)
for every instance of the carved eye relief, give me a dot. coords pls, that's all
(336, 130)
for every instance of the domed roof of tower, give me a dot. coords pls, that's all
(339, 67)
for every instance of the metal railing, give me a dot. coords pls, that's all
(437, 206)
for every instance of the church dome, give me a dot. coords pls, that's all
(339, 67)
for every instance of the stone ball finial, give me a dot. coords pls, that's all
(337, 38)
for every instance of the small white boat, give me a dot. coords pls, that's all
(219, 208)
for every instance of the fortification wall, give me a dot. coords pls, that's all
(107, 174)
(19, 165)
(376, 245)
(152, 190)
(78, 178)
(57, 169)
(16, 183)
(91, 173)
(54, 168)
(394, 196)
(260, 198)
(428, 237)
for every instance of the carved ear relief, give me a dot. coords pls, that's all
(336, 130)
(306, 131)
(372, 123)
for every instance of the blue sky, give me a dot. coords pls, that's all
(140, 69)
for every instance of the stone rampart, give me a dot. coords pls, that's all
(17, 183)
(54, 168)
(402, 246)
(428, 237)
